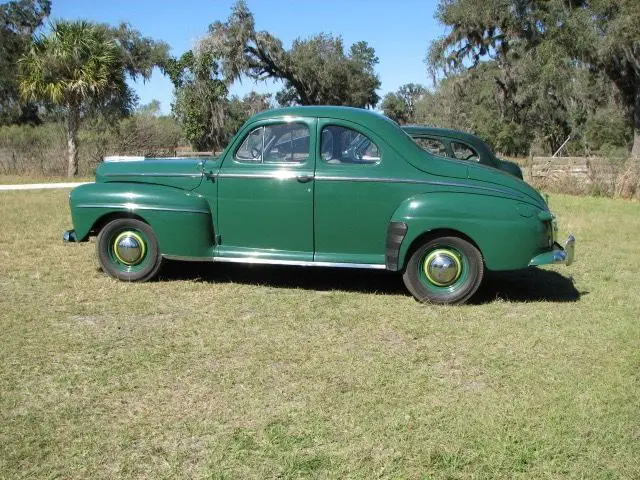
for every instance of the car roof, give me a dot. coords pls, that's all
(440, 132)
(374, 121)
(378, 124)
(366, 118)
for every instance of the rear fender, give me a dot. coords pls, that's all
(506, 239)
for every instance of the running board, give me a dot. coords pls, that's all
(269, 261)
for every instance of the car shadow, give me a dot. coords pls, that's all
(278, 276)
(528, 285)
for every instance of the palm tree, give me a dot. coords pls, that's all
(73, 65)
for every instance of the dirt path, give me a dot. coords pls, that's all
(40, 186)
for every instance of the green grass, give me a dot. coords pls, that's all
(247, 372)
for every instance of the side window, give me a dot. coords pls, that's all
(251, 148)
(432, 145)
(344, 145)
(286, 143)
(464, 152)
(280, 143)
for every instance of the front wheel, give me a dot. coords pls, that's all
(128, 250)
(444, 270)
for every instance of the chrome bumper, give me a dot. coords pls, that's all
(559, 254)
(69, 236)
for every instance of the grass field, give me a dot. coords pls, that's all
(246, 372)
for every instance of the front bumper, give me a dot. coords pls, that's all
(558, 254)
(69, 236)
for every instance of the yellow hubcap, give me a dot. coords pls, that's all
(129, 248)
(442, 267)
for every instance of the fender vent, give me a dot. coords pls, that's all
(395, 235)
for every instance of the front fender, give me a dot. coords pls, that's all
(180, 219)
(506, 238)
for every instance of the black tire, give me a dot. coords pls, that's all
(112, 261)
(458, 282)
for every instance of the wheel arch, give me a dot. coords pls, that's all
(100, 222)
(430, 235)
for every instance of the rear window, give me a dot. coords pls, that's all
(432, 145)
(462, 151)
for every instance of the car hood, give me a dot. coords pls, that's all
(184, 173)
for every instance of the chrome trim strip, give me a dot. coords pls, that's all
(372, 179)
(182, 258)
(134, 206)
(154, 174)
(294, 174)
(512, 193)
(286, 174)
(267, 261)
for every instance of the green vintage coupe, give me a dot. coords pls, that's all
(445, 142)
(319, 186)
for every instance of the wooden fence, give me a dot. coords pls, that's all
(606, 176)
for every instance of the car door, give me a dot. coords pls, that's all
(354, 199)
(265, 193)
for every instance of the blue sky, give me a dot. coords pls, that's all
(400, 31)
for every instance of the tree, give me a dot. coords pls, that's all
(201, 97)
(73, 65)
(239, 110)
(80, 68)
(314, 71)
(610, 34)
(401, 105)
(151, 109)
(395, 107)
(19, 20)
(254, 102)
(538, 47)
(138, 56)
(469, 101)
(411, 93)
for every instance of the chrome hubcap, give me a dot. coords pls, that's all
(442, 267)
(129, 248)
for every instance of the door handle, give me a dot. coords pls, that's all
(304, 178)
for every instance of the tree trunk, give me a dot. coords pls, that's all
(73, 122)
(635, 151)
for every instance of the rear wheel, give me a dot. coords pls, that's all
(128, 250)
(444, 270)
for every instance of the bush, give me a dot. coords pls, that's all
(27, 150)
(33, 150)
(608, 129)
